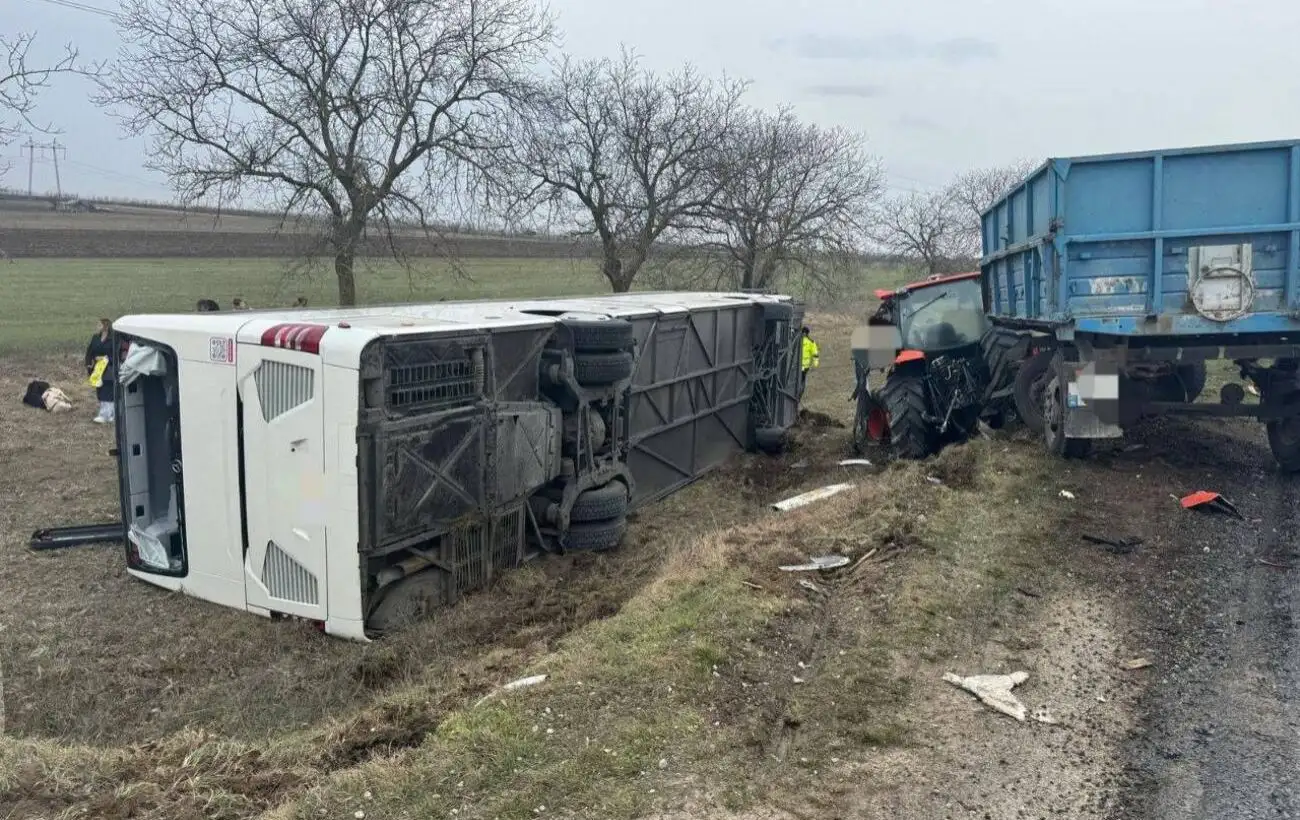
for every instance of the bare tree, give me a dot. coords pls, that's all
(21, 82)
(357, 110)
(624, 152)
(928, 227)
(790, 196)
(973, 192)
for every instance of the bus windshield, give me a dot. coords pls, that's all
(943, 316)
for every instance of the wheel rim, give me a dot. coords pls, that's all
(1053, 417)
(1038, 390)
(877, 424)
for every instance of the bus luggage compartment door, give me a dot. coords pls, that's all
(283, 460)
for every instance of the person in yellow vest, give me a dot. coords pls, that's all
(100, 372)
(809, 354)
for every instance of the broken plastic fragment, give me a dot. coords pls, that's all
(816, 563)
(1210, 502)
(809, 497)
(522, 683)
(994, 690)
(1136, 663)
(855, 462)
(1067, 494)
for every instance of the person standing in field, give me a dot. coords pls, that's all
(100, 371)
(809, 356)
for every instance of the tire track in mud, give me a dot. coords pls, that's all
(1220, 725)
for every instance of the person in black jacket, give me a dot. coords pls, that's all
(101, 346)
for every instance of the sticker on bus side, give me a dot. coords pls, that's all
(221, 350)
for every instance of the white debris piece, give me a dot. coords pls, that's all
(994, 691)
(1067, 494)
(522, 683)
(818, 562)
(809, 497)
(854, 462)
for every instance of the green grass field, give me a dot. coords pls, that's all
(52, 304)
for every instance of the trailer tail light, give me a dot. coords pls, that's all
(300, 337)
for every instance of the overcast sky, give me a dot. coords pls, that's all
(937, 86)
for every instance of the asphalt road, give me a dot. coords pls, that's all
(1219, 725)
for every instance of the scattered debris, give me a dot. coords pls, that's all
(1210, 502)
(753, 585)
(803, 499)
(1115, 546)
(1133, 448)
(1028, 593)
(1066, 494)
(934, 480)
(1273, 565)
(994, 691)
(864, 559)
(855, 462)
(522, 683)
(1136, 663)
(1043, 715)
(818, 562)
(811, 587)
(1252, 389)
(798, 679)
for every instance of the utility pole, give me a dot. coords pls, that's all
(55, 148)
(31, 147)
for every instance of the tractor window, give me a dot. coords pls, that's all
(943, 316)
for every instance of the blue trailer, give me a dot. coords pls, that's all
(1130, 271)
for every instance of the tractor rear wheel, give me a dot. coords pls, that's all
(903, 395)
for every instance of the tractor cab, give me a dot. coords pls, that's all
(929, 339)
(935, 315)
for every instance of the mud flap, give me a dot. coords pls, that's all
(1092, 400)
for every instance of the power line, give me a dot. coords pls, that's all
(72, 4)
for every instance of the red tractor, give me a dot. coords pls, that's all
(946, 367)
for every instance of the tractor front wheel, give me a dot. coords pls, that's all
(870, 424)
(903, 396)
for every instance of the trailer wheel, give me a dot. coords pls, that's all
(410, 599)
(600, 504)
(1054, 425)
(1031, 383)
(595, 536)
(599, 334)
(903, 395)
(601, 369)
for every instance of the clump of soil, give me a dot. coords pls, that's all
(815, 420)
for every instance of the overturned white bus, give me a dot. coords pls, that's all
(360, 467)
